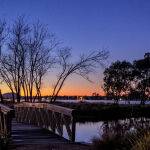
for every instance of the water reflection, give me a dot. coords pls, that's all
(86, 131)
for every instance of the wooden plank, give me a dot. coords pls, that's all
(24, 134)
(29, 137)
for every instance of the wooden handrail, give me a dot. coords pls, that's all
(52, 107)
(49, 116)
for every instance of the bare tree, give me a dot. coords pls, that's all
(28, 58)
(2, 38)
(83, 67)
(7, 74)
(41, 44)
(2, 34)
(43, 66)
(18, 49)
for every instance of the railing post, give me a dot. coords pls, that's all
(73, 129)
(9, 127)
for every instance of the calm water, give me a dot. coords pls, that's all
(85, 132)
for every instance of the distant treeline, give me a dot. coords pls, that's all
(90, 98)
(78, 97)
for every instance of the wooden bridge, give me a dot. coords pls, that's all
(38, 126)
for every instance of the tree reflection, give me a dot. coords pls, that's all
(122, 127)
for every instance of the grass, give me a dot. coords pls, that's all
(142, 142)
(111, 142)
(139, 140)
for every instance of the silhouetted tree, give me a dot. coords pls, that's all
(85, 65)
(117, 79)
(2, 38)
(40, 45)
(142, 77)
(27, 58)
(134, 94)
(30, 54)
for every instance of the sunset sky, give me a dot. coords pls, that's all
(120, 26)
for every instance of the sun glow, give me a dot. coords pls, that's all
(74, 86)
(67, 90)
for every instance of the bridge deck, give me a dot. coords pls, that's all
(28, 137)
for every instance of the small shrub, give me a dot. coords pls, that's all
(143, 142)
(111, 142)
(139, 140)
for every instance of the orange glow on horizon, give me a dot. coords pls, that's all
(64, 92)
(73, 87)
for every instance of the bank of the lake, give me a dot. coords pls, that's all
(95, 111)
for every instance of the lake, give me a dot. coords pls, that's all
(85, 132)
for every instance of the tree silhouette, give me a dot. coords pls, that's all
(85, 65)
(142, 76)
(117, 79)
(27, 58)
(31, 51)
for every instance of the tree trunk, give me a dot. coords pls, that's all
(1, 97)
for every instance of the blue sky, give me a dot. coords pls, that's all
(121, 26)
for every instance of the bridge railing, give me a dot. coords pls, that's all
(6, 115)
(52, 117)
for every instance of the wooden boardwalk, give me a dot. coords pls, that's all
(29, 137)
(29, 130)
